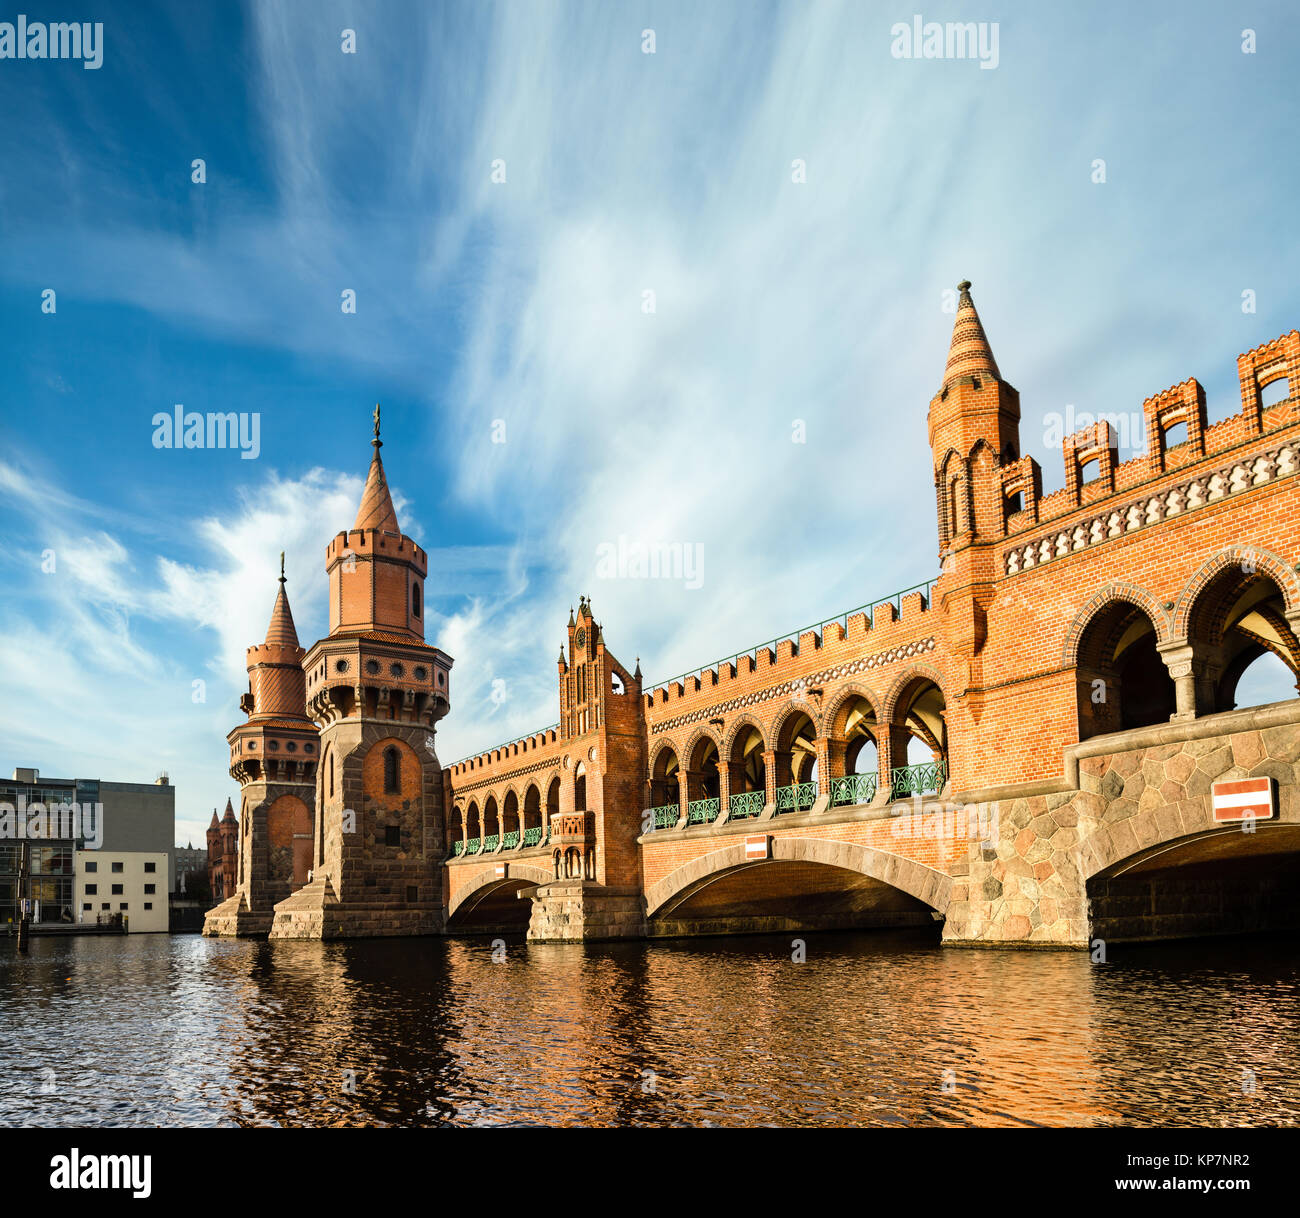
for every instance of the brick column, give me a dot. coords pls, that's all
(770, 783)
(891, 745)
(730, 779)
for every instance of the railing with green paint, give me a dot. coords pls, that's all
(473, 846)
(841, 619)
(533, 836)
(457, 848)
(666, 815)
(853, 789)
(918, 779)
(703, 811)
(745, 804)
(491, 843)
(798, 797)
(511, 841)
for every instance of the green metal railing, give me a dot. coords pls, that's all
(854, 789)
(798, 797)
(918, 779)
(511, 841)
(473, 846)
(841, 619)
(533, 836)
(747, 803)
(491, 843)
(666, 815)
(703, 811)
(457, 848)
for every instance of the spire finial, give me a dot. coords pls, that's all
(377, 442)
(282, 566)
(964, 286)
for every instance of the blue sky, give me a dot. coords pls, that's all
(523, 301)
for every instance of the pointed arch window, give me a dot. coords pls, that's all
(415, 600)
(392, 771)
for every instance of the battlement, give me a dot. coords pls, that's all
(523, 746)
(1121, 496)
(904, 613)
(362, 542)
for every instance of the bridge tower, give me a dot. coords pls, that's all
(594, 853)
(376, 690)
(979, 477)
(273, 756)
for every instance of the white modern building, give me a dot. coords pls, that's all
(132, 883)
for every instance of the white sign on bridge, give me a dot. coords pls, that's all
(1244, 799)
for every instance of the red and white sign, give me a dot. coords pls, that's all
(1244, 799)
(501, 870)
(756, 846)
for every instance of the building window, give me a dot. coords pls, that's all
(117, 890)
(412, 894)
(85, 908)
(92, 890)
(149, 890)
(92, 868)
(392, 835)
(117, 868)
(123, 905)
(150, 867)
(148, 905)
(105, 905)
(390, 771)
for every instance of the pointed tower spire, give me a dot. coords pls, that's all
(214, 819)
(970, 353)
(281, 631)
(376, 510)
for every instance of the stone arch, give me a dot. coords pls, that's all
(843, 696)
(1108, 595)
(791, 710)
(665, 746)
(486, 879)
(734, 731)
(1265, 561)
(917, 880)
(686, 758)
(885, 713)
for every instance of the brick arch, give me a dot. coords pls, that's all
(885, 713)
(410, 770)
(843, 697)
(734, 731)
(1108, 595)
(1266, 563)
(684, 757)
(913, 878)
(486, 878)
(790, 710)
(665, 746)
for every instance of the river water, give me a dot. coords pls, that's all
(877, 1028)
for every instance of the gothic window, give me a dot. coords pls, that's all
(415, 600)
(391, 771)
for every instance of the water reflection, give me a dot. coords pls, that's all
(873, 1029)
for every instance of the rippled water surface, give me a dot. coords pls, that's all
(154, 1030)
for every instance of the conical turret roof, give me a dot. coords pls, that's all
(376, 510)
(281, 631)
(969, 354)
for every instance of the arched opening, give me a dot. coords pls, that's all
(532, 815)
(779, 896)
(919, 740)
(665, 789)
(855, 729)
(702, 782)
(491, 824)
(748, 773)
(392, 771)
(510, 827)
(1244, 647)
(456, 830)
(796, 764)
(496, 908)
(415, 599)
(473, 828)
(1122, 680)
(1221, 882)
(580, 788)
(552, 804)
